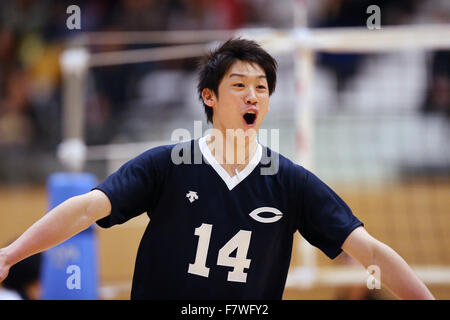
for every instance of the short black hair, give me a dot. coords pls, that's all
(24, 273)
(214, 65)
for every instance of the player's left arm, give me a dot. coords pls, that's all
(395, 273)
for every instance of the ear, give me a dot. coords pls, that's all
(209, 98)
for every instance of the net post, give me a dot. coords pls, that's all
(304, 118)
(74, 65)
(70, 269)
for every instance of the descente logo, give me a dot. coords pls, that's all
(275, 214)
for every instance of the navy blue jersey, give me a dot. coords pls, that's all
(212, 236)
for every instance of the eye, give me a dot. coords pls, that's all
(261, 87)
(239, 85)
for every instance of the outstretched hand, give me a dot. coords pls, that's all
(4, 266)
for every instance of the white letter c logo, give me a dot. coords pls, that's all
(255, 214)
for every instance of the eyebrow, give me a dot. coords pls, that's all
(243, 75)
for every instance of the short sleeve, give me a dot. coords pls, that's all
(325, 220)
(135, 187)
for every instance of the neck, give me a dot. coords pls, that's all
(233, 149)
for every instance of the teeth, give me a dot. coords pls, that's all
(251, 111)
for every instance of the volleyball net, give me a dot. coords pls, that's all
(351, 104)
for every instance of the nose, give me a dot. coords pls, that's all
(250, 98)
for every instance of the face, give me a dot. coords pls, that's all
(243, 98)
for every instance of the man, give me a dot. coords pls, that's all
(220, 228)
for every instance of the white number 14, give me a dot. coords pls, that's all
(240, 241)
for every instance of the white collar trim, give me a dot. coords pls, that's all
(231, 182)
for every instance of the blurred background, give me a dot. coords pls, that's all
(381, 120)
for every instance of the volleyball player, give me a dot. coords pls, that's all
(221, 228)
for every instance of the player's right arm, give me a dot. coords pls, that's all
(61, 223)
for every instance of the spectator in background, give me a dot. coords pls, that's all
(353, 13)
(141, 15)
(16, 126)
(23, 281)
(342, 14)
(437, 99)
(201, 14)
(25, 16)
(7, 52)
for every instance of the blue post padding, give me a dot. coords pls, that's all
(69, 270)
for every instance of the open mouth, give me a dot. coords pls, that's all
(250, 117)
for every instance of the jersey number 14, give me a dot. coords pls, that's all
(240, 241)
